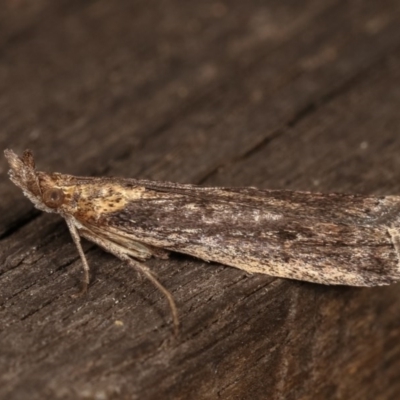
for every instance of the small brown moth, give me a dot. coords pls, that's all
(332, 239)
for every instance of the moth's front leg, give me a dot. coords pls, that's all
(77, 240)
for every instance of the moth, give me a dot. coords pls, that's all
(331, 239)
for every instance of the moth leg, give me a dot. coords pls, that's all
(145, 270)
(77, 240)
(121, 253)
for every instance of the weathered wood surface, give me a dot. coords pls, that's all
(300, 95)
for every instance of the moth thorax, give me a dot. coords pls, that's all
(53, 197)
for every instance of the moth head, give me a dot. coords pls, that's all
(39, 187)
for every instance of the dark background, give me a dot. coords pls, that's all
(278, 94)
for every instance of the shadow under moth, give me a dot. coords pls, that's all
(332, 239)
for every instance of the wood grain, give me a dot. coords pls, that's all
(299, 95)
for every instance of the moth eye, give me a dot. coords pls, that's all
(53, 198)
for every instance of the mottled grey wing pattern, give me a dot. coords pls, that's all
(324, 238)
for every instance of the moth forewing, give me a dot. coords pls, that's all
(330, 239)
(338, 239)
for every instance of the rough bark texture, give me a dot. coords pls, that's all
(294, 95)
